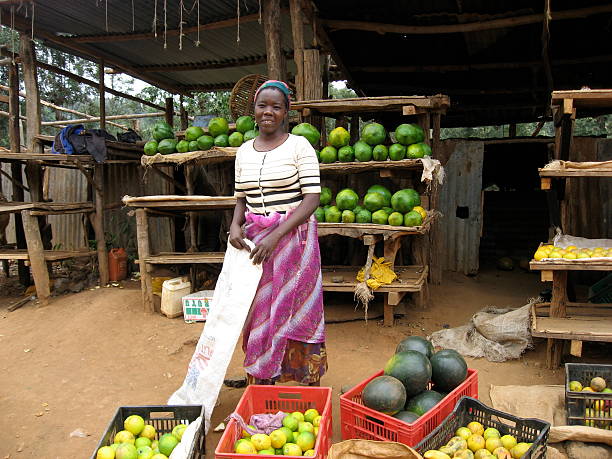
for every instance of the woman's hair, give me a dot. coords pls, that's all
(279, 86)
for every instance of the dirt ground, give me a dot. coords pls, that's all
(69, 365)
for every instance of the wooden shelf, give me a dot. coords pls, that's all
(573, 265)
(212, 156)
(438, 103)
(46, 208)
(569, 169)
(410, 279)
(574, 327)
(181, 203)
(591, 98)
(343, 168)
(171, 258)
(50, 255)
(358, 230)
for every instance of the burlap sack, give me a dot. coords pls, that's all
(369, 449)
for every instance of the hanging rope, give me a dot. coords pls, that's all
(33, 20)
(259, 12)
(155, 18)
(362, 293)
(238, 21)
(133, 23)
(106, 13)
(181, 25)
(165, 25)
(197, 43)
(13, 30)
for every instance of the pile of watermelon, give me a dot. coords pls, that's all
(404, 390)
(402, 208)
(407, 142)
(165, 142)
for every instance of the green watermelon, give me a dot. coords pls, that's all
(405, 200)
(423, 402)
(373, 134)
(381, 190)
(407, 134)
(182, 146)
(385, 394)
(309, 131)
(412, 368)
(222, 140)
(205, 142)
(167, 146)
(250, 135)
(218, 126)
(244, 124)
(347, 199)
(448, 369)
(150, 148)
(416, 343)
(380, 153)
(193, 132)
(407, 416)
(162, 130)
(193, 145)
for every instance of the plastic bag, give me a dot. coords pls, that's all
(380, 273)
(370, 449)
(234, 293)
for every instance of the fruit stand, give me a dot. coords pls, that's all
(561, 320)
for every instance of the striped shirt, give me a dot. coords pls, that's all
(276, 180)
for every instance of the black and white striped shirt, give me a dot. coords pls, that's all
(275, 180)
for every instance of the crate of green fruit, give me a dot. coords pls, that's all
(588, 395)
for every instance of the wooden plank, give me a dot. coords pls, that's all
(576, 348)
(142, 238)
(36, 257)
(343, 168)
(98, 224)
(48, 207)
(410, 279)
(185, 258)
(363, 104)
(546, 276)
(26, 156)
(573, 265)
(181, 203)
(545, 183)
(554, 349)
(358, 230)
(574, 328)
(585, 99)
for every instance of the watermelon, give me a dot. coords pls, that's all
(167, 146)
(412, 368)
(423, 402)
(407, 416)
(150, 148)
(385, 394)
(416, 343)
(193, 132)
(162, 130)
(448, 369)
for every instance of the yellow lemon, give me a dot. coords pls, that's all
(482, 454)
(309, 453)
(570, 256)
(305, 427)
(316, 421)
(476, 442)
(571, 247)
(310, 414)
(305, 440)
(244, 446)
(491, 432)
(492, 443)
(420, 210)
(124, 436)
(278, 438)
(148, 431)
(298, 415)
(519, 450)
(508, 442)
(555, 254)
(476, 428)
(261, 441)
(291, 449)
(501, 453)
(539, 255)
(106, 452)
(463, 432)
(582, 255)
(575, 386)
(134, 424)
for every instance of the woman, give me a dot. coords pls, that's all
(277, 190)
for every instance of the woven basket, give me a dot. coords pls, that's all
(241, 98)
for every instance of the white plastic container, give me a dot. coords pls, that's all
(172, 292)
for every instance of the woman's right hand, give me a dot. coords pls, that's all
(236, 238)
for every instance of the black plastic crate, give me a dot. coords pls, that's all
(164, 418)
(577, 403)
(469, 409)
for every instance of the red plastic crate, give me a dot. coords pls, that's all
(272, 399)
(359, 421)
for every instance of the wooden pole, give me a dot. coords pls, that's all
(558, 302)
(142, 236)
(36, 256)
(110, 117)
(16, 170)
(98, 224)
(297, 31)
(170, 111)
(183, 113)
(272, 35)
(102, 93)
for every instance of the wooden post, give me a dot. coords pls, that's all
(102, 92)
(558, 302)
(170, 111)
(354, 129)
(36, 255)
(142, 236)
(435, 266)
(184, 119)
(512, 130)
(98, 224)
(16, 169)
(193, 218)
(297, 30)
(272, 35)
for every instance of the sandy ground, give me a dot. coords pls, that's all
(70, 365)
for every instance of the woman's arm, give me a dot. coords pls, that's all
(236, 236)
(298, 216)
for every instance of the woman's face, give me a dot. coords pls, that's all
(270, 110)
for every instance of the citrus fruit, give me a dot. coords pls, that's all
(270, 451)
(374, 201)
(155, 445)
(418, 150)
(245, 447)
(292, 449)
(244, 124)
(316, 431)
(245, 434)
(288, 433)
(476, 442)
(278, 451)
(298, 415)
(587, 389)
(329, 155)
(520, 449)
(222, 140)
(413, 218)
(339, 137)
(193, 132)
(598, 384)
(310, 414)
(540, 255)
(570, 256)
(405, 200)
(305, 440)
(380, 217)
(235, 139)
(476, 428)
(160, 456)
(278, 438)
(205, 142)
(261, 441)
(463, 432)
(397, 152)
(407, 134)
(115, 446)
(332, 215)
(363, 151)
(304, 426)
(126, 451)
(396, 219)
(142, 441)
(309, 453)
(167, 443)
(326, 196)
(363, 216)
(501, 453)
(555, 254)
(218, 126)
(493, 443)
(250, 135)
(346, 199)
(382, 190)
(508, 442)
(483, 454)
(289, 421)
(150, 148)
(380, 153)
(106, 452)
(319, 214)
(309, 131)
(124, 436)
(178, 431)
(491, 432)
(373, 134)
(348, 216)
(316, 421)
(346, 154)
(144, 452)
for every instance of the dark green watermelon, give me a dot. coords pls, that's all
(416, 343)
(407, 416)
(412, 368)
(448, 369)
(423, 402)
(385, 394)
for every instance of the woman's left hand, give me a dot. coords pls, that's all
(264, 249)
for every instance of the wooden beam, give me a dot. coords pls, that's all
(297, 32)
(142, 238)
(98, 224)
(110, 117)
(273, 39)
(206, 65)
(118, 37)
(85, 81)
(36, 255)
(501, 23)
(102, 94)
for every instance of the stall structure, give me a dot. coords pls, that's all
(560, 320)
